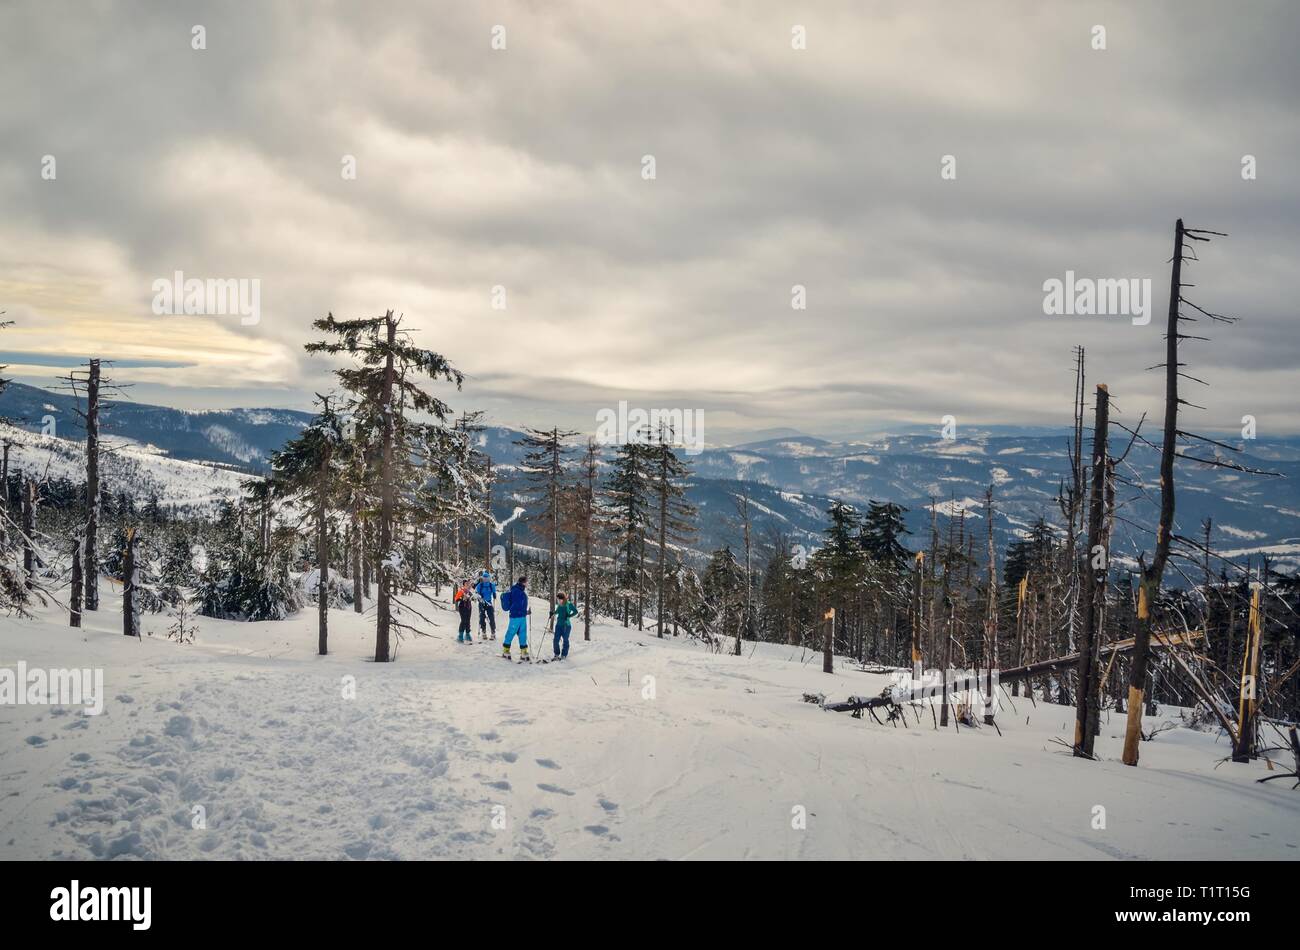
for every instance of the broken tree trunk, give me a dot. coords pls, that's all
(1055, 665)
(1246, 708)
(1093, 577)
(90, 560)
(29, 531)
(1154, 573)
(990, 617)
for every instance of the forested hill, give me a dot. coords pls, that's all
(240, 437)
(791, 479)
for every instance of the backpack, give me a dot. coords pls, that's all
(505, 600)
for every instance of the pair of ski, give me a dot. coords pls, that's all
(531, 661)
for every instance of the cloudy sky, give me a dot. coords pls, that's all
(523, 168)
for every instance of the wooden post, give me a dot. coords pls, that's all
(828, 659)
(1249, 678)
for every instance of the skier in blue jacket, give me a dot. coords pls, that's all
(487, 613)
(516, 601)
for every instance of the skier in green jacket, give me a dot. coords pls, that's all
(563, 613)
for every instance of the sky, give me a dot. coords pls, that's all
(920, 169)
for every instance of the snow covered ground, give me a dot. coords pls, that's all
(451, 752)
(142, 469)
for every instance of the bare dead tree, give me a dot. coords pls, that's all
(91, 384)
(1093, 593)
(1071, 503)
(130, 585)
(741, 501)
(29, 532)
(1152, 574)
(74, 610)
(990, 615)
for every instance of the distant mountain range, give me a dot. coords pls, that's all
(238, 437)
(1248, 513)
(792, 478)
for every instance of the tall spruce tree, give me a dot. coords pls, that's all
(308, 469)
(838, 564)
(587, 520)
(883, 528)
(627, 494)
(723, 588)
(673, 514)
(387, 397)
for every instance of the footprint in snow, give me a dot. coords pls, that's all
(508, 756)
(180, 726)
(541, 813)
(548, 763)
(492, 736)
(35, 740)
(554, 788)
(503, 785)
(606, 804)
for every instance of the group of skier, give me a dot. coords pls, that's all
(515, 602)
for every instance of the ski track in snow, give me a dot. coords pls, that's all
(439, 749)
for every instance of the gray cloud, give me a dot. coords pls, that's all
(775, 167)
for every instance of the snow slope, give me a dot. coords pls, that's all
(580, 760)
(125, 466)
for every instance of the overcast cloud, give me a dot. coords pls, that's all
(522, 168)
